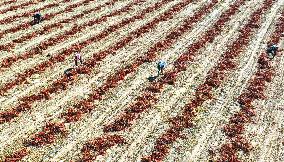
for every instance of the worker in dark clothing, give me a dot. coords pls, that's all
(78, 57)
(271, 51)
(37, 18)
(68, 73)
(161, 66)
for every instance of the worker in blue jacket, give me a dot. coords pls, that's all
(271, 51)
(161, 66)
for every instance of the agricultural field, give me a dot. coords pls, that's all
(220, 97)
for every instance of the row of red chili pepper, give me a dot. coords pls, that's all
(47, 136)
(41, 137)
(29, 13)
(15, 7)
(204, 91)
(7, 2)
(25, 26)
(255, 91)
(7, 62)
(99, 146)
(17, 156)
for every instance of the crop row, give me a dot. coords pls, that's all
(7, 62)
(99, 145)
(255, 91)
(47, 17)
(48, 135)
(28, 13)
(39, 68)
(12, 8)
(86, 105)
(7, 2)
(17, 156)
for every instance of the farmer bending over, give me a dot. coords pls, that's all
(68, 73)
(271, 51)
(161, 66)
(37, 18)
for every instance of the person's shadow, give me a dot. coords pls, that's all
(152, 78)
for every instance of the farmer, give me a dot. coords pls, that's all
(161, 66)
(37, 18)
(271, 51)
(68, 73)
(78, 57)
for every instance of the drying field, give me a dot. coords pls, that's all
(220, 98)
